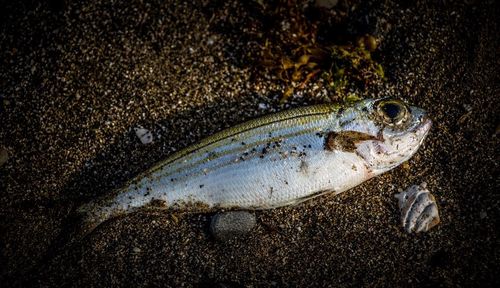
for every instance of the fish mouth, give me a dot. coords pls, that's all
(423, 128)
(425, 125)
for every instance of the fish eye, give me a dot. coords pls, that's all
(392, 112)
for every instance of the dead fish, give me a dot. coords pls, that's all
(276, 160)
(419, 211)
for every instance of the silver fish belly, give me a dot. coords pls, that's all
(276, 160)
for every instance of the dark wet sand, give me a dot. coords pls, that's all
(76, 79)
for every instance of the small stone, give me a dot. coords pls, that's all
(144, 135)
(137, 250)
(326, 3)
(405, 165)
(228, 225)
(4, 156)
(211, 40)
(483, 214)
(210, 59)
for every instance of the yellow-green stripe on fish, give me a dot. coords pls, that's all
(276, 160)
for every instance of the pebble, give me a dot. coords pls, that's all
(328, 4)
(262, 106)
(483, 215)
(144, 135)
(4, 156)
(228, 225)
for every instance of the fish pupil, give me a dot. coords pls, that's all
(391, 110)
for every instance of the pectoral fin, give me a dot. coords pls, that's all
(346, 140)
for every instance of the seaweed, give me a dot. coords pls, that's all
(294, 54)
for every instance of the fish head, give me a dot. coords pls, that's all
(393, 131)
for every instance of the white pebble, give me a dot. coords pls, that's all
(144, 135)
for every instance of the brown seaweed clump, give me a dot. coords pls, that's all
(297, 55)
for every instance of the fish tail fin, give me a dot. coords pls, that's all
(92, 215)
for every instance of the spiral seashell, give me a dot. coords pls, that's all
(419, 211)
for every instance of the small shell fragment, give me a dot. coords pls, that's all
(144, 135)
(419, 211)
